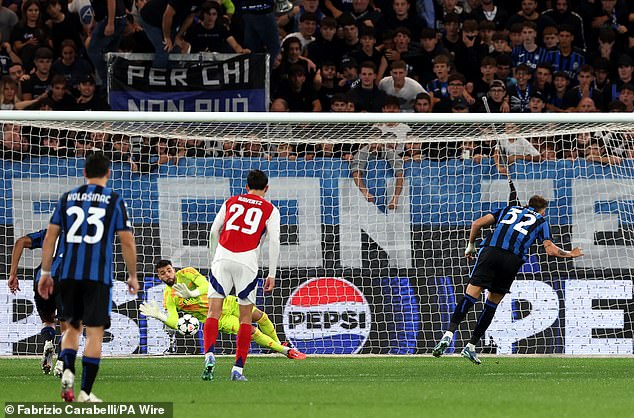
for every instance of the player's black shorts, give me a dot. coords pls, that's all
(495, 269)
(87, 301)
(46, 307)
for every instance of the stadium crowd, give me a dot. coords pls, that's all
(330, 55)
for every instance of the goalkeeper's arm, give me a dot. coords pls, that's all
(476, 226)
(153, 310)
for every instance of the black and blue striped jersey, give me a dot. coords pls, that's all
(37, 239)
(516, 229)
(89, 216)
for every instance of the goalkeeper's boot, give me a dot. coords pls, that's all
(208, 371)
(471, 355)
(295, 355)
(442, 345)
(85, 397)
(58, 369)
(237, 376)
(47, 357)
(68, 381)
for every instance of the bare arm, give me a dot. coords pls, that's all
(168, 18)
(16, 254)
(128, 248)
(478, 224)
(273, 228)
(45, 286)
(214, 234)
(555, 251)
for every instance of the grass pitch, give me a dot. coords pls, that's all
(353, 387)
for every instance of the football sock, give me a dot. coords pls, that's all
(91, 367)
(267, 327)
(462, 308)
(68, 356)
(243, 343)
(484, 320)
(48, 333)
(210, 334)
(266, 341)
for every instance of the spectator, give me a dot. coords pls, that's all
(30, 33)
(64, 26)
(586, 104)
(566, 58)
(471, 151)
(612, 15)
(404, 88)
(326, 46)
(585, 79)
(495, 101)
(403, 50)
(560, 87)
(52, 144)
(487, 71)
(595, 153)
(452, 32)
(602, 74)
(307, 29)
(486, 30)
(520, 95)
(14, 145)
(366, 95)
(106, 35)
(40, 80)
(382, 151)
(367, 50)
(327, 84)
(7, 57)
(350, 73)
(625, 67)
(488, 11)
(500, 44)
(119, 151)
(292, 56)
(208, 35)
(529, 53)
(503, 70)
(551, 38)
(537, 103)
(83, 10)
(59, 97)
(562, 14)
(542, 80)
(511, 150)
(299, 94)
(8, 19)
(529, 13)
(403, 18)
(260, 27)
(469, 51)
(290, 20)
(70, 65)
(364, 14)
(423, 104)
(456, 88)
(607, 47)
(279, 105)
(285, 151)
(626, 97)
(87, 99)
(350, 34)
(429, 49)
(438, 86)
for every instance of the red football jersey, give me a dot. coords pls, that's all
(245, 222)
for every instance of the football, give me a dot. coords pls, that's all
(187, 325)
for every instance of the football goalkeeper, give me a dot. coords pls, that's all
(186, 291)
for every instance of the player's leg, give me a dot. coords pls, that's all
(216, 295)
(96, 298)
(90, 363)
(244, 339)
(46, 310)
(471, 296)
(70, 313)
(484, 321)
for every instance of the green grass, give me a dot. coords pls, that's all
(354, 387)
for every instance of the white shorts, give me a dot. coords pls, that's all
(226, 274)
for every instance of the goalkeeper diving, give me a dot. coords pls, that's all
(186, 291)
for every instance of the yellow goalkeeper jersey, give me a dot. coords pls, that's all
(199, 305)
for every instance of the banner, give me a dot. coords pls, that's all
(205, 82)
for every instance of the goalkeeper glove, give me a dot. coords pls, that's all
(152, 310)
(471, 249)
(183, 292)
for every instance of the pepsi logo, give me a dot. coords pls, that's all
(327, 315)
